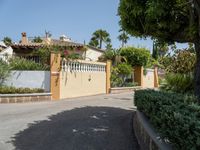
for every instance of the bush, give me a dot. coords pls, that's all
(182, 61)
(180, 83)
(4, 71)
(136, 56)
(176, 117)
(24, 64)
(13, 90)
(119, 74)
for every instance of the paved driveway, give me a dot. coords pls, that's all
(101, 122)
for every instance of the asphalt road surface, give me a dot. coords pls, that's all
(102, 122)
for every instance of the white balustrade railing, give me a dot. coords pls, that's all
(82, 66)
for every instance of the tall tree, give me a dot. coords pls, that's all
(168, 20)
(7, 41)
(99, 37)
(123, 37)
(155, 54)
(37, 40)
(48, 34)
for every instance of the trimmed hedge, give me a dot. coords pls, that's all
(176, 117)
(13, 90)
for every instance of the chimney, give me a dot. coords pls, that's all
(24, 38)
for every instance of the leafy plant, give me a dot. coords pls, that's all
(136, 56)
(14, 90)
(119, 74)
(174, 116)
(182, 61)
(99, 37)
(24, 64)
(37, 39)
(7, 41)
(180, 83)
(4, 71)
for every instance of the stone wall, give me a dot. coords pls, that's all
(147, 138)
(24, 98)
(29, 79)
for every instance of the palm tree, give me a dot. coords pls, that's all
(37, 40)
(99, 37)
(123, 37)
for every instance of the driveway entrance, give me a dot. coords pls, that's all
(101, 122)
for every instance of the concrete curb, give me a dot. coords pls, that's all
(24, 98)
(124, 89)
(147, 138)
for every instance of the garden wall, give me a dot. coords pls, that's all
(29, 79)
(82, 78)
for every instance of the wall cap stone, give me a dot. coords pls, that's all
(144, 122)
(126, 88)
(24, 95)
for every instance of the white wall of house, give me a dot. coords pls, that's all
(5, 53)
(29, 79)
(92, 54)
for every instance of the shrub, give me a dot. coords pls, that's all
(13, 90)
(176, 117)
(180, 83)
(124, 69)
(182, 61)
(4, 71)
(24, 64)
(119, 74)
(136, 56)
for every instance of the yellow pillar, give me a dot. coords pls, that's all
(108, 75)
(55, 76)
(156, 83)
(138, 75)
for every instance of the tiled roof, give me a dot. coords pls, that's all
(65, 43)
(52, 42)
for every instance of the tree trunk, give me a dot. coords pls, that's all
(100, 43)
(197, 72)
(122, 43)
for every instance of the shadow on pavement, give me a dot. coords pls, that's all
(88, 128)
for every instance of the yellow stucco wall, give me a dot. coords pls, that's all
(76, 84)
(148, 79)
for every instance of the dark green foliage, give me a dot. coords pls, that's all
(123, 37)
(119, 74)
(168, 20)
(14, 90)
(23, 64)
(37, 39)
(136, 56)
(4, 71)
(176, 117)
(155, 51)
(183, 61)
(7, 41)
(99, 37)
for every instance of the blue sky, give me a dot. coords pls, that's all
(77, 19)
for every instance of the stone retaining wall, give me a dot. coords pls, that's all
(147, 138)
(24, 98)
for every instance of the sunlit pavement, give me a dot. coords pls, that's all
(102, 122)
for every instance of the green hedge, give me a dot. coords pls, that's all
(176, 117)
(13, 90)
